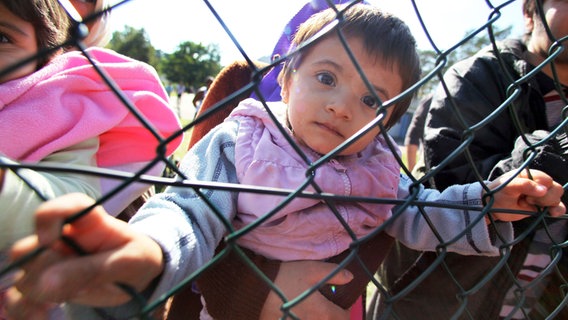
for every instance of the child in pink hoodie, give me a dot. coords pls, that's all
(57, 110)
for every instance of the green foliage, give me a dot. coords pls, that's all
(134, 43)
(430, 59)
(191, 64)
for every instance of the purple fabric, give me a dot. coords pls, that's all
(269, 85)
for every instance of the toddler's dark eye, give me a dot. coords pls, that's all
(4, 39)
(370, 101)
(326, 79)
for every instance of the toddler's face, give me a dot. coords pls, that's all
(328, 102)
(17, 41)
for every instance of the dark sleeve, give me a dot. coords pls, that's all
(233, 290)
(549, 155)
(415, 130)
(477, 88)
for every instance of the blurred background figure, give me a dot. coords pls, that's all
(201, 92)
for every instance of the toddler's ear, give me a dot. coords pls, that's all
(284, 93)
(529, 23)
(284, 96)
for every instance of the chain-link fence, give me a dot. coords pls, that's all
(409, 284)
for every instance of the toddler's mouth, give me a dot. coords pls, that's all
(330, 128)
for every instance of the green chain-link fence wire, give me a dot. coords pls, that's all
(200, 187)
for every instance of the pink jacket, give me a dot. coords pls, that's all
(67, 102)
(306, 228)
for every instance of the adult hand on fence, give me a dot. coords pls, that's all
(116, 254)
(525, 192)
(294, 278)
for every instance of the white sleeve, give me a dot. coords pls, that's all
(19, 200)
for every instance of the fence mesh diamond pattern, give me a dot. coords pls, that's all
(499, 271)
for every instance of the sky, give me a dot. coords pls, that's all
(257, 24)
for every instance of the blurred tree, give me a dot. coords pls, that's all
(135, 43)
(191, 64)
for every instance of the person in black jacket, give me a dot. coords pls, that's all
(507, 96)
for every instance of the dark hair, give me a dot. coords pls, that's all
(383, 34)
(50, 21)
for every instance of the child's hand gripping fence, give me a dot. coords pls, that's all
(414, 270)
